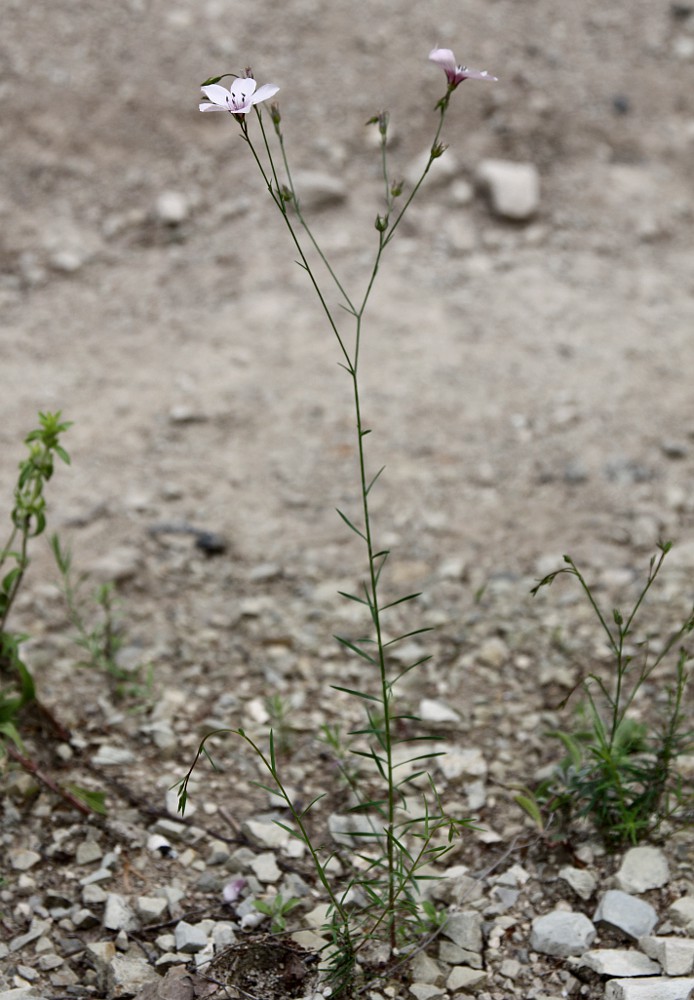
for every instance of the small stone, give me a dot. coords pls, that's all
(431, 710)
(317, 190)
(108, 756)
(493, 653)
(465, 930)
(658, 988)
(642, 868)
(150, 909)
(619, 963)
(37, 929)
(83, 919)
(117, 566)
(681, 913)
(126, 975)
(513, 188)
(426, 991)
(562, 933)
(581, 881)
(93, 895)
(265, 868)
(510, 968)
(22, 859)
(459, 762)
(118, 914)
(629, 914)
(262, 834)
(47, 963)
(463, 978)
(171, 208)
(675, 955)
(424, 969)
(100, 953)
(190, 938)
(87, 852)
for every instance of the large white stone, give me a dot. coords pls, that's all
(619, 962)
(562, 933)
(629, 914)
(652, 988)
(642, 868)
(675, 954)
(513, 188)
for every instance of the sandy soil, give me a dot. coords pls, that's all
(529, 385)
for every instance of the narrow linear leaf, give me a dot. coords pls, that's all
(353, 597)
(408, 635)
(401, 600)
(357, 694)
(355, 649)
(349, 524)
(368, 488)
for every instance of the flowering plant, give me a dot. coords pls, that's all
(393, 845)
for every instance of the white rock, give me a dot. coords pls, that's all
(87, 852)
(22, 859)
(581, 881)
(190, 938)
(627, 913)
(562, 933)
(493, 652)
(513, 188)
(262, 834)
(171, 208)
(426, 991)
(681, 913)
(431, 710)
(465, 930)
(126, 975)
(265, 868)
(36, 930)
(619, 962)
(118, 915)
(122, 563)
(459, 762)
(113, 756)
(150, 908)
(317, 190)
(675, 954)
(642, 868)
(649, 989)
(463, 978)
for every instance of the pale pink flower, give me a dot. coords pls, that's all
(456, 74)
(240, 97)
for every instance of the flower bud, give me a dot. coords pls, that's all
(275, 114)
(438, 150)
(381, 223)
(396, 189)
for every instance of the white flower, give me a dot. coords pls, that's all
(456, 74)
(240, 97)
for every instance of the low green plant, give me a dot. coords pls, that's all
(100, 636)
(394, 839)
(620, 770)
(277, 908)
(28, 518)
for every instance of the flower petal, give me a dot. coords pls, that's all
(217, 94)
(475, 74)
(264, 93)
(212, 107)
(242, 89)
(443, 57)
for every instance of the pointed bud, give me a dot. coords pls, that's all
(396, 189)
(381, 223)
(438, 150)
(275, 114)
